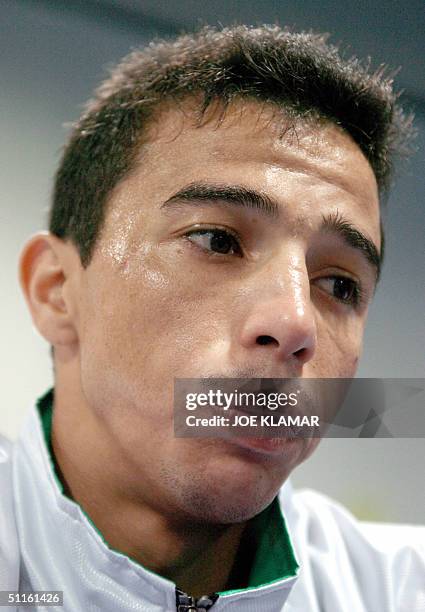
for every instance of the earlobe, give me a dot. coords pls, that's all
(44, 277)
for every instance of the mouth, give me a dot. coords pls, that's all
(258, 439)
(265, 446)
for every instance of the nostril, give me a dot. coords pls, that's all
(264, 340)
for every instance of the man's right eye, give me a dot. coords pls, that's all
(215, 241)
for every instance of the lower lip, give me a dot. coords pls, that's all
(268, 446)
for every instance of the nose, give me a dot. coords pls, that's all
(280, 321)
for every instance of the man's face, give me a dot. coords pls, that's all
(212, 284)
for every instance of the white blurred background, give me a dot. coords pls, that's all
(53, 53)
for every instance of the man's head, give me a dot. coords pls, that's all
(216, 213)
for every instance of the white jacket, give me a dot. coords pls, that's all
(48, 543)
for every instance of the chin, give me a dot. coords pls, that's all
(227, 510)
(231, 491)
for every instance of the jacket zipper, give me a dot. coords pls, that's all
(186, 603)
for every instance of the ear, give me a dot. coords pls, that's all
(48, 269)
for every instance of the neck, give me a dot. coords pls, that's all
(95, 475)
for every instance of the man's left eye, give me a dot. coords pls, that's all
(342, 288)
(217, 241)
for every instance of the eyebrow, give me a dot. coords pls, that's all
(336, 224)
(234, 195)
(240, 196)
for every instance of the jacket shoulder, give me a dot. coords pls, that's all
(323, 514)
(358, 557)
(9, 551)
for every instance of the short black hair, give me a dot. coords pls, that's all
(300, 73)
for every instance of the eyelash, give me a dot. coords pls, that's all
(354, 300)
(216, 230)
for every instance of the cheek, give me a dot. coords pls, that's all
(338, 348)
(148, 313)
(126, 325)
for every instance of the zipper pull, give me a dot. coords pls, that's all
(206, 602)
(186, 603)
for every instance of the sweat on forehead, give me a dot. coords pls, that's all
(252, 131)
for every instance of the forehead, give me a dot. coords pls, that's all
(258, 146)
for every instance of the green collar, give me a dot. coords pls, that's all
(266, 540)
